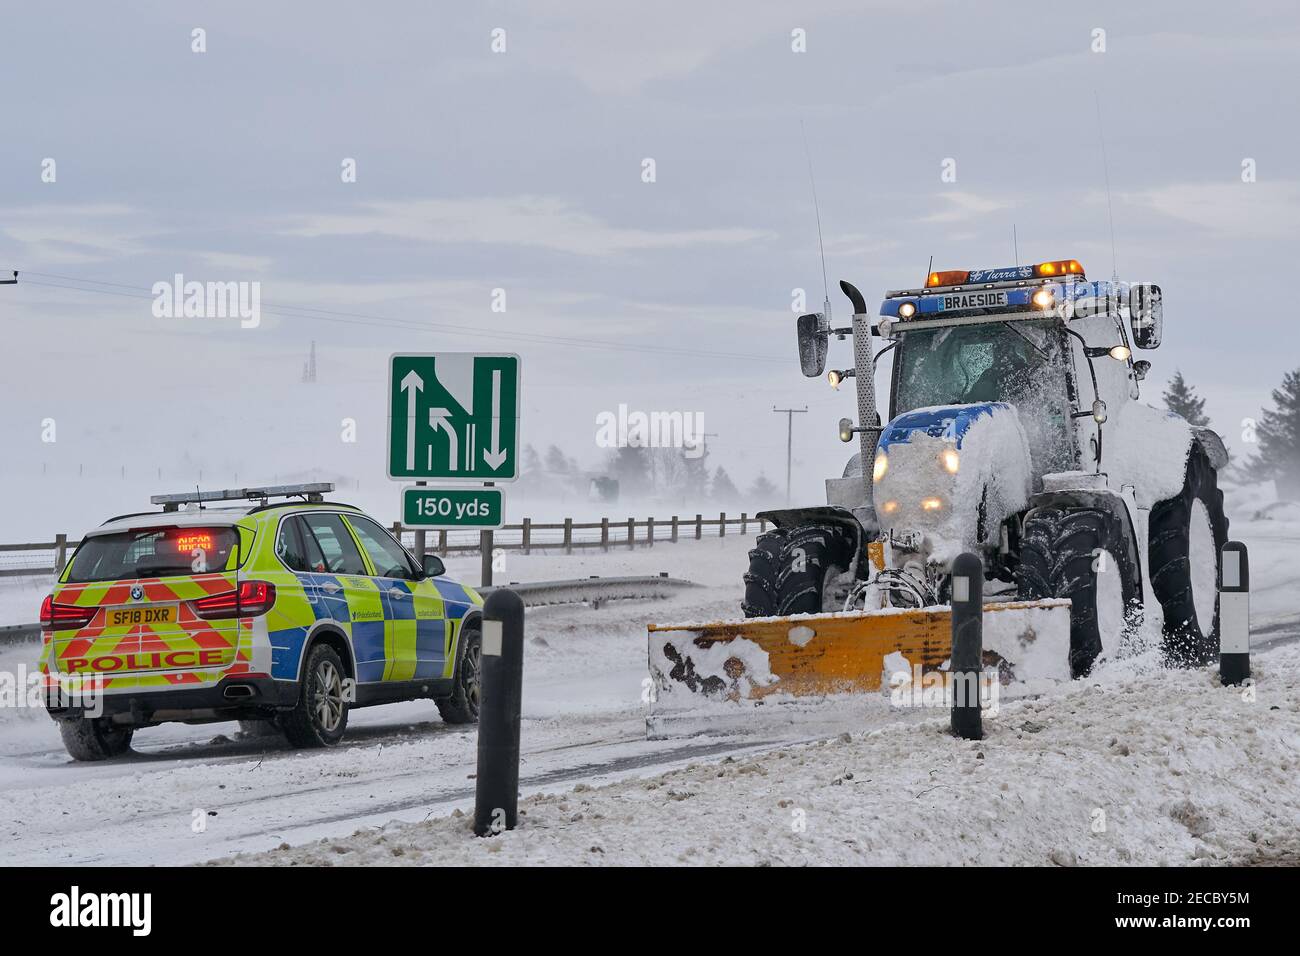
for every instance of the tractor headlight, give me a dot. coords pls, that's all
(1120, 353)
(931, 504)
(907, 310)
(951, 460)
(881, 466)
(1044, 298)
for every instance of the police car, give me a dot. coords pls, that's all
(283, 615)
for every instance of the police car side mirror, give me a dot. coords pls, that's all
(814, 333)
(1146, 315)
(433, 566)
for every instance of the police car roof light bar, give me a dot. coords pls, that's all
(312, 492)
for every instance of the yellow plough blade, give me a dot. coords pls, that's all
(819, 654)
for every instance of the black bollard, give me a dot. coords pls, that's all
(1234, 614)
(966, 664)
(496, 798)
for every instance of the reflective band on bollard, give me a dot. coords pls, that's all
(1234, 614)
(967, 660)
(501, 681)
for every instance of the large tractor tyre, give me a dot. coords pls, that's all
(94, 738)
(1081, 554)
(1187, 534)
(760, 580)
(462, 707)
(812, 559)
(320, 716)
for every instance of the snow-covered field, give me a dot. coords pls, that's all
(1184, 770)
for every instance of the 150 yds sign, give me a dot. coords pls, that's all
(452, 507)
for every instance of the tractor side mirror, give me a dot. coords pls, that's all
(1140, 369)
(814, 333)
(1146, 315)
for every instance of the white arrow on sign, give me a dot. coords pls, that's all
(497, 455)
(412, 384)
(441, 418)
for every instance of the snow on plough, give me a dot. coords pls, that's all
(1014, 432)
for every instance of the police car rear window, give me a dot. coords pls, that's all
(152, 553)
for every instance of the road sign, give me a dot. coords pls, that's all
(453, 507)
(453, 416)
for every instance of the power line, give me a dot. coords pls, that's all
(366, 319)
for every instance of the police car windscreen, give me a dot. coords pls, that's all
(152, 553)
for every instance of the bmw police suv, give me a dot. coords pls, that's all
(283, 615)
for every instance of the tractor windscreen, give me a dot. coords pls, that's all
(1024, 364)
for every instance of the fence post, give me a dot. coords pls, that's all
(568, 536)
(631, 533)
(1234, 614)
(442, 542)
(60, 552)
(397, 533)
(604, 534)
(650, 531)
(496, 787)
(526, 539)
(967, 645)
(722, 525)
(744, 522)
(674, 529)
(699, 526)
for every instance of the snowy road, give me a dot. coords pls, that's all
(189, 794)
(583, 721)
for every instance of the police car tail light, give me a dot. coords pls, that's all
(951, 277)
(252, 598)
(64, 617)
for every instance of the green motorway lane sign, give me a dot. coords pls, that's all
(453, 507)
(453, 415)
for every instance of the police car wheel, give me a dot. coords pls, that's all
(320, 716)
(88, 738)
(462, 706)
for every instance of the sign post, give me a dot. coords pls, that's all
(454, 417)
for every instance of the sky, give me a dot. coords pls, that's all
(504, 146)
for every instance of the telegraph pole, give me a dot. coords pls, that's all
(8, 276)
(789, 414)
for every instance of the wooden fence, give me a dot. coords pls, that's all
(567, 536)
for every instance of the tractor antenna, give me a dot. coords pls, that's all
(1015, 244)
(1105, 169)
(928, 270)
(821, 248)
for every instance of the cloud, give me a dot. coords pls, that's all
(536, 221)
(1230, 210)
(965, 206)
(61, 234)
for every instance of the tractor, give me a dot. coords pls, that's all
(1015, 431)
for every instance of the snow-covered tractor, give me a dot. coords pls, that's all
(1014, 431)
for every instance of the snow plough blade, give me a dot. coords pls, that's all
(850, 652)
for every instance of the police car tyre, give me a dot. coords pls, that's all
(1061, 556)
(760, 580)
(259, 728)
(810, 555)
(94, 738)
(463, 705)
(1186, 539)
(320, 716)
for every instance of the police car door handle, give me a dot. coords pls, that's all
(396, 592)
